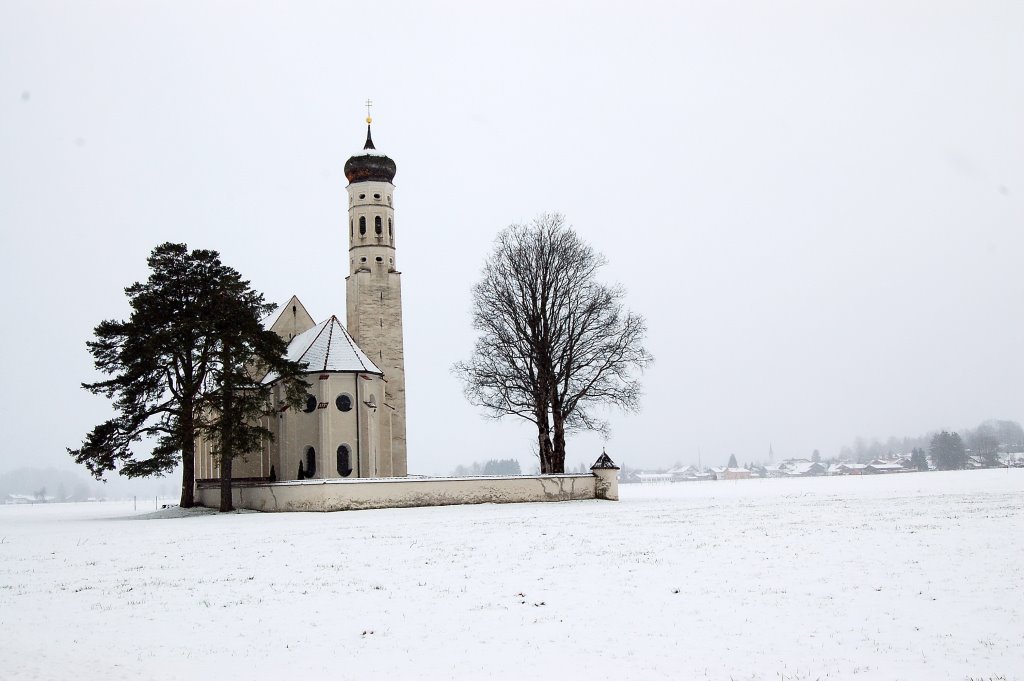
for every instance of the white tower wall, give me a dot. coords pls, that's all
(374, 308)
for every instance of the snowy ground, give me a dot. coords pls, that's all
(913, 576)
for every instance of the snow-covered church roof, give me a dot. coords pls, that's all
(327, 347)
(270, 319)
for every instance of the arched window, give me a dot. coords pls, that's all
(344, 461)
(310, 462)
(344, 402)
(377, 226)
(362, 225)
(390, 233)
(310, 404)
(351, 228)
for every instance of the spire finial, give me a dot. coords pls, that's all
(369, 119)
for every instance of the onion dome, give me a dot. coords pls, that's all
(370, 165)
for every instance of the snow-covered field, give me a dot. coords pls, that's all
(913, 576)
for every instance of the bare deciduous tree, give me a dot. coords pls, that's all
(554, 342)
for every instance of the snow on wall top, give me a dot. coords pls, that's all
(327, 347)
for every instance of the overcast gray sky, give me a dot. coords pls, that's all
(818, 206)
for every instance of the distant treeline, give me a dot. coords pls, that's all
(491, 467)
(988, 438)
(54, 485)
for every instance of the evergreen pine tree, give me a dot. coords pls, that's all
(245, 353)
(162, 364)
(918, 459)
(948, 452)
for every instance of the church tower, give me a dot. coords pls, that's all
(374, 292)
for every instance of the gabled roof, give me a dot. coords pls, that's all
(804, 468)
(327, 347)
(286, 325)
(268, 321)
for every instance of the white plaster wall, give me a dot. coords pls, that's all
(254, 464)
(374, 311)
(371, 245)
(343, 495)
(326, 428)
(374, 318)
(607, 483)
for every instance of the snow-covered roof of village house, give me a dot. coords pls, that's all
(886, 466)
(327, 347)
(804, 467)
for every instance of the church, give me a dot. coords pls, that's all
(352, 424)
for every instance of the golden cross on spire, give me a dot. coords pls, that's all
(369, 103)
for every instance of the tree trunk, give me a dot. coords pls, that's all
(544, 442)
(558, 453)
(543, 439)
(188, 460)
(225, 482)
(227, 448)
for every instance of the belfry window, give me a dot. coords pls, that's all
(344, 461)
(390, 234)
(377, 226)
(362, 225)
(310, 462)
(351, 228)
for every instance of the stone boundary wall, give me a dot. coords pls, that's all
(345, 495)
